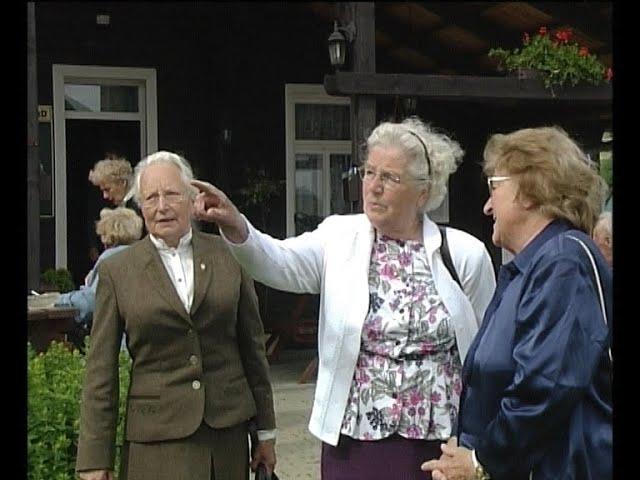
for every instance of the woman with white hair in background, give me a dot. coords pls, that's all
(113, 175)
(603, 236)
(117, 229)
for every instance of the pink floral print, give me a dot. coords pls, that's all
(407, 377)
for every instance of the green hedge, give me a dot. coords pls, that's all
(54, 395)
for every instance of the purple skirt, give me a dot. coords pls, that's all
(392, 458)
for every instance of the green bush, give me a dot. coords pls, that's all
(60, 279)
(54, 395)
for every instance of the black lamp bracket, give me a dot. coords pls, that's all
(349, 31)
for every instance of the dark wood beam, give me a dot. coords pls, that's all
(33, 162)
(460, 88)
(468, 16)
(585, 16)
(438, 53)
(363, 62)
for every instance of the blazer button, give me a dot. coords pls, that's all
(193, 359)
(196, 385)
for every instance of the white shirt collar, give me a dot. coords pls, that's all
(184, 242)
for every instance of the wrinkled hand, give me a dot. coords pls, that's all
(455, 463)
(266, 454)
(212, 205)
(96, 475)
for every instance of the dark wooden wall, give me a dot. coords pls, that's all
(219, 65)
(225, 65)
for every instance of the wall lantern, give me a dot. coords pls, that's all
(338, 43)
(225, 136)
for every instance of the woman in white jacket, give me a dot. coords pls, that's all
(394, 325)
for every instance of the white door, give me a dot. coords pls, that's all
(93, 106)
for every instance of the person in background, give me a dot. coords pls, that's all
(394, 325)
(199, 371)
(117, 229)
(537, 399)
(113, 176)
(603, 236)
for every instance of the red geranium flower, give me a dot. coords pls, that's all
(563, 36)
(608, 74)
(556, 56)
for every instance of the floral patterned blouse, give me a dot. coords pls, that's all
(407, 378)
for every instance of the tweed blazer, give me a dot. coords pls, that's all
(208, 364)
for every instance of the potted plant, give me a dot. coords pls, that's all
(557, 59)
(258, 194)
(59, 280)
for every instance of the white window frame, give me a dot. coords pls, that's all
(309, 93)
(147, 115)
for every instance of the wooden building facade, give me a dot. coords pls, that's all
(246, 93)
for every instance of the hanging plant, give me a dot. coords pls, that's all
(557, 59)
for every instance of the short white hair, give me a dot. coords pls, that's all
(186, 173)
(605, 223)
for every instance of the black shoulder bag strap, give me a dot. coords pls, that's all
(446, 256)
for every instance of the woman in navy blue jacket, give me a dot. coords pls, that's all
(536, 402)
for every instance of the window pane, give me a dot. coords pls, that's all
(322, 122)
(308, 183)
(339, 165)
(101, 98)
(118, 98)
(82, 98)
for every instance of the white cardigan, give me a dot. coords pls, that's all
(333, 260)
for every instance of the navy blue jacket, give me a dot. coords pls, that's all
(537, 378)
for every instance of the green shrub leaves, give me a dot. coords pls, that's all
(53, 400)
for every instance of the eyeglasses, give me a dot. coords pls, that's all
(388, 179)
(170, 198)
(491, 182)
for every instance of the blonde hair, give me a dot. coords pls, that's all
(119, 226)
(111, 170)
(553, 173)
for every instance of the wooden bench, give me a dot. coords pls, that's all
(272, 346)
(309, 371)
(45, 325)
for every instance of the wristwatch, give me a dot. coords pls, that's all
(481, 474)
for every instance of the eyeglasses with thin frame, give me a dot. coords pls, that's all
(170, 198)
(491, 182)
(388, 179)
